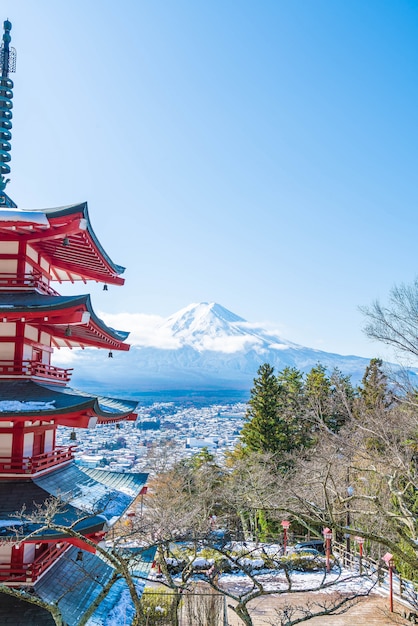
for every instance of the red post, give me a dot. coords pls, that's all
(285, 524)
(360, 541)
(327, 536)
(388, 559)
(390, 587)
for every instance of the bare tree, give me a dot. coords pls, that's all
(178, 513)
(363, 481)
(122, 560)
(334, 604)
(396, 324)
(372, 453)
(284, 583)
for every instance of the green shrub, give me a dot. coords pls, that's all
(159, 607)
(300, 562)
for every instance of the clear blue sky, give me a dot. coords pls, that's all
(260, 154)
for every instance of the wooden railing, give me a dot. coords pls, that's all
(404, 590)
(30, 572)
(35, 464)
(35, 280)
(35, 369)
(44, 370)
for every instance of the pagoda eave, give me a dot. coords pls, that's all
(78, 419)
(87, 527)
(78, 340)
(131, 417)
(83, 420)
(66, 271)
(65, 238)
(75, 419)
(23, 400)
(70, 320)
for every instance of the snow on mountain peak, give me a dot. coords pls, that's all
(201, 346)
(208, 326)
(203, 326)
(202, 318)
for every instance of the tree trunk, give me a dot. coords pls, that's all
(241, 610)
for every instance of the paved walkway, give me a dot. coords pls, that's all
(370, 611)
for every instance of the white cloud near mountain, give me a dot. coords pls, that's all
(144, 330)
(202, 346)
(154, 331)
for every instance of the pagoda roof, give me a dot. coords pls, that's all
(18, 612)
(70, 320)
(88, 505)
(83, 590)
(69, 407)
(65, 237)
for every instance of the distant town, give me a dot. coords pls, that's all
(177, 428)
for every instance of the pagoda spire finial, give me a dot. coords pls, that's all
(8, 64)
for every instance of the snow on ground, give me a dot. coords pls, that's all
(344, 581)
(200, 563)
(338, 579)
(120, 609)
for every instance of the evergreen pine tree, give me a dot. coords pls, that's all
(292, 430)
(329, 398)
(318, 393)
(258, 432)
(275, 415)
(374, 389)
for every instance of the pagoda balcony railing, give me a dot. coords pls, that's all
(30, 572)
(35, 369)
(35, 464)
(34, 280)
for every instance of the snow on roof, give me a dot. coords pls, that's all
(10, 523)
(21, 215)
(17, 405)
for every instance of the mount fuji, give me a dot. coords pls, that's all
(201, 347)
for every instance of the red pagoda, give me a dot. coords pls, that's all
(38, 247)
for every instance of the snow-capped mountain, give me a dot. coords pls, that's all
(204, 346)
(209, 326)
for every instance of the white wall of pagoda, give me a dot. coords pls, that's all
(49, 440)
(7, 329)
(6, 444)
(7, 347)
(34, 261)
(17, 258)
(25, 439)
(32, 346)
(8, 257)
(7, 350)
(28, 439)
(5, 554)
(29, 552)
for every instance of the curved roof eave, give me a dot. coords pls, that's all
(31, 301)
(104, 406)
(82, 258)
(83, 208)
(53, 400)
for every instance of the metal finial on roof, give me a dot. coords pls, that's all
(8, 64)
